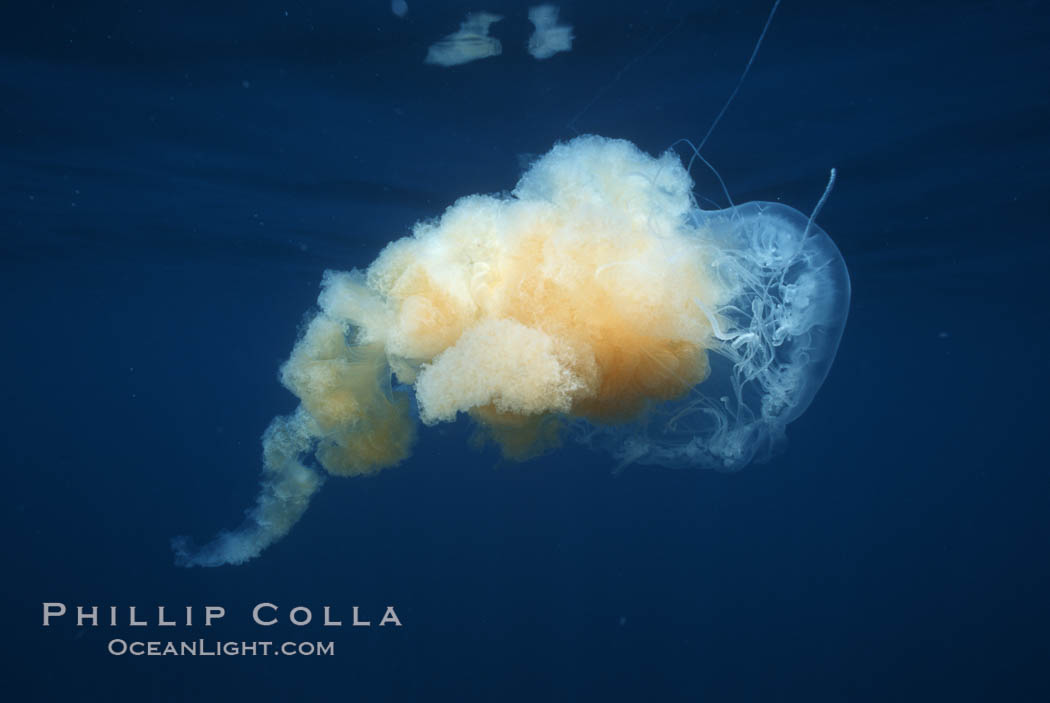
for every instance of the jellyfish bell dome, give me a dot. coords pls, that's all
(784, 300)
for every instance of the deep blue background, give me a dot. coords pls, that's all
(174, 178)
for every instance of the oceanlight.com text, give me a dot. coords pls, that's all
(217, 648)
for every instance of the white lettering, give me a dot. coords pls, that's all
(255, 614)
(53, 610)
(360, 623)
(309, 616)
(82, 616)
(328, 621)
(133, 622)
(390, 616)
(213, 612)
(161, 622)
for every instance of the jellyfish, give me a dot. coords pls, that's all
(548, 37)
(595, 303)
(469, 43)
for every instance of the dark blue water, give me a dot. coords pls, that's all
(174, 178)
